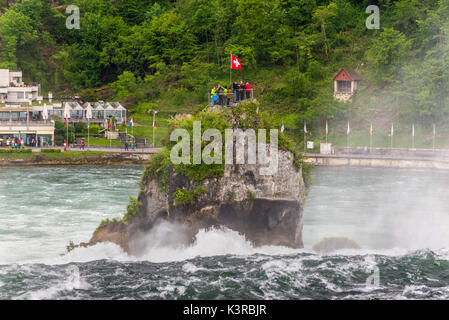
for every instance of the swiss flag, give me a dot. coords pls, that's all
(236, 63)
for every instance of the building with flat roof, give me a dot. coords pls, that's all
(24, 115)
(14, 91)
(32, 122)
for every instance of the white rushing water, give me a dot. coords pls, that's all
(389, 213)
(42, 209)
(385, 211)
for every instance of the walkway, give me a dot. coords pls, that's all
(378, 161)
(113, 149)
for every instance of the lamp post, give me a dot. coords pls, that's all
(154, 127)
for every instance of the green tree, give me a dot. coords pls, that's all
(386, 54)
(320, 16)
(16, 30)
(125, 84)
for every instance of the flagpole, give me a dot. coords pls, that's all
(433, 142)
(230, 72)
(326, 131)
(67, 126)
(392, 133)
(153, 128)
(305, 133)
(347, 138)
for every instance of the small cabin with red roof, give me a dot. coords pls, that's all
(345, 83)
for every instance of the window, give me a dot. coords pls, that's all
(344, 86)
(4, 116)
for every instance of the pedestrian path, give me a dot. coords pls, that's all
(113, 149)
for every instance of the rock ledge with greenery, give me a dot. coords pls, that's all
(267, 210)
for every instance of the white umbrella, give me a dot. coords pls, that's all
(45, 112)
(89, 111)
(67, 110)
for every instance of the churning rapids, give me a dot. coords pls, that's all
(399, 218)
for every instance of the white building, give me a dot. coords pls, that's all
(22, 117)
(14, 91)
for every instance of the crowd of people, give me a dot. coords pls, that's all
(222, 95)
(15, 143)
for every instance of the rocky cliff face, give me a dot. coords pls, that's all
(266, 209)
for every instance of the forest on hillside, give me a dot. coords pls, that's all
(168, 54)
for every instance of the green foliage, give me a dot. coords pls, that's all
(172, 52)
(307, 174)
(250, 195)
(71, 246)
(125, 84)
(386, 54)
(133, 210)
(231, 196)
(209, 119)
(51, 150)
(61, 129)
(158, 169)
(186, 197)
(94, 130)
(16, 151)
(16, 30)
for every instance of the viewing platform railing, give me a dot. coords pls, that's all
(231, 98)
(25, 123)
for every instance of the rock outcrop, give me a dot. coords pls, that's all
(267, 210)
(328, 245)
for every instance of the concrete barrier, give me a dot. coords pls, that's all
(379, 161)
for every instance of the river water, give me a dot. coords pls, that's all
(399, 218)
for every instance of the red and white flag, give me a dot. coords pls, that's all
(236, 63)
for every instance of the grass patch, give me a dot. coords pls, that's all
(161, 134)
(103, 142)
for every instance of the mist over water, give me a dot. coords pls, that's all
(379, 208)
(398, 217)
